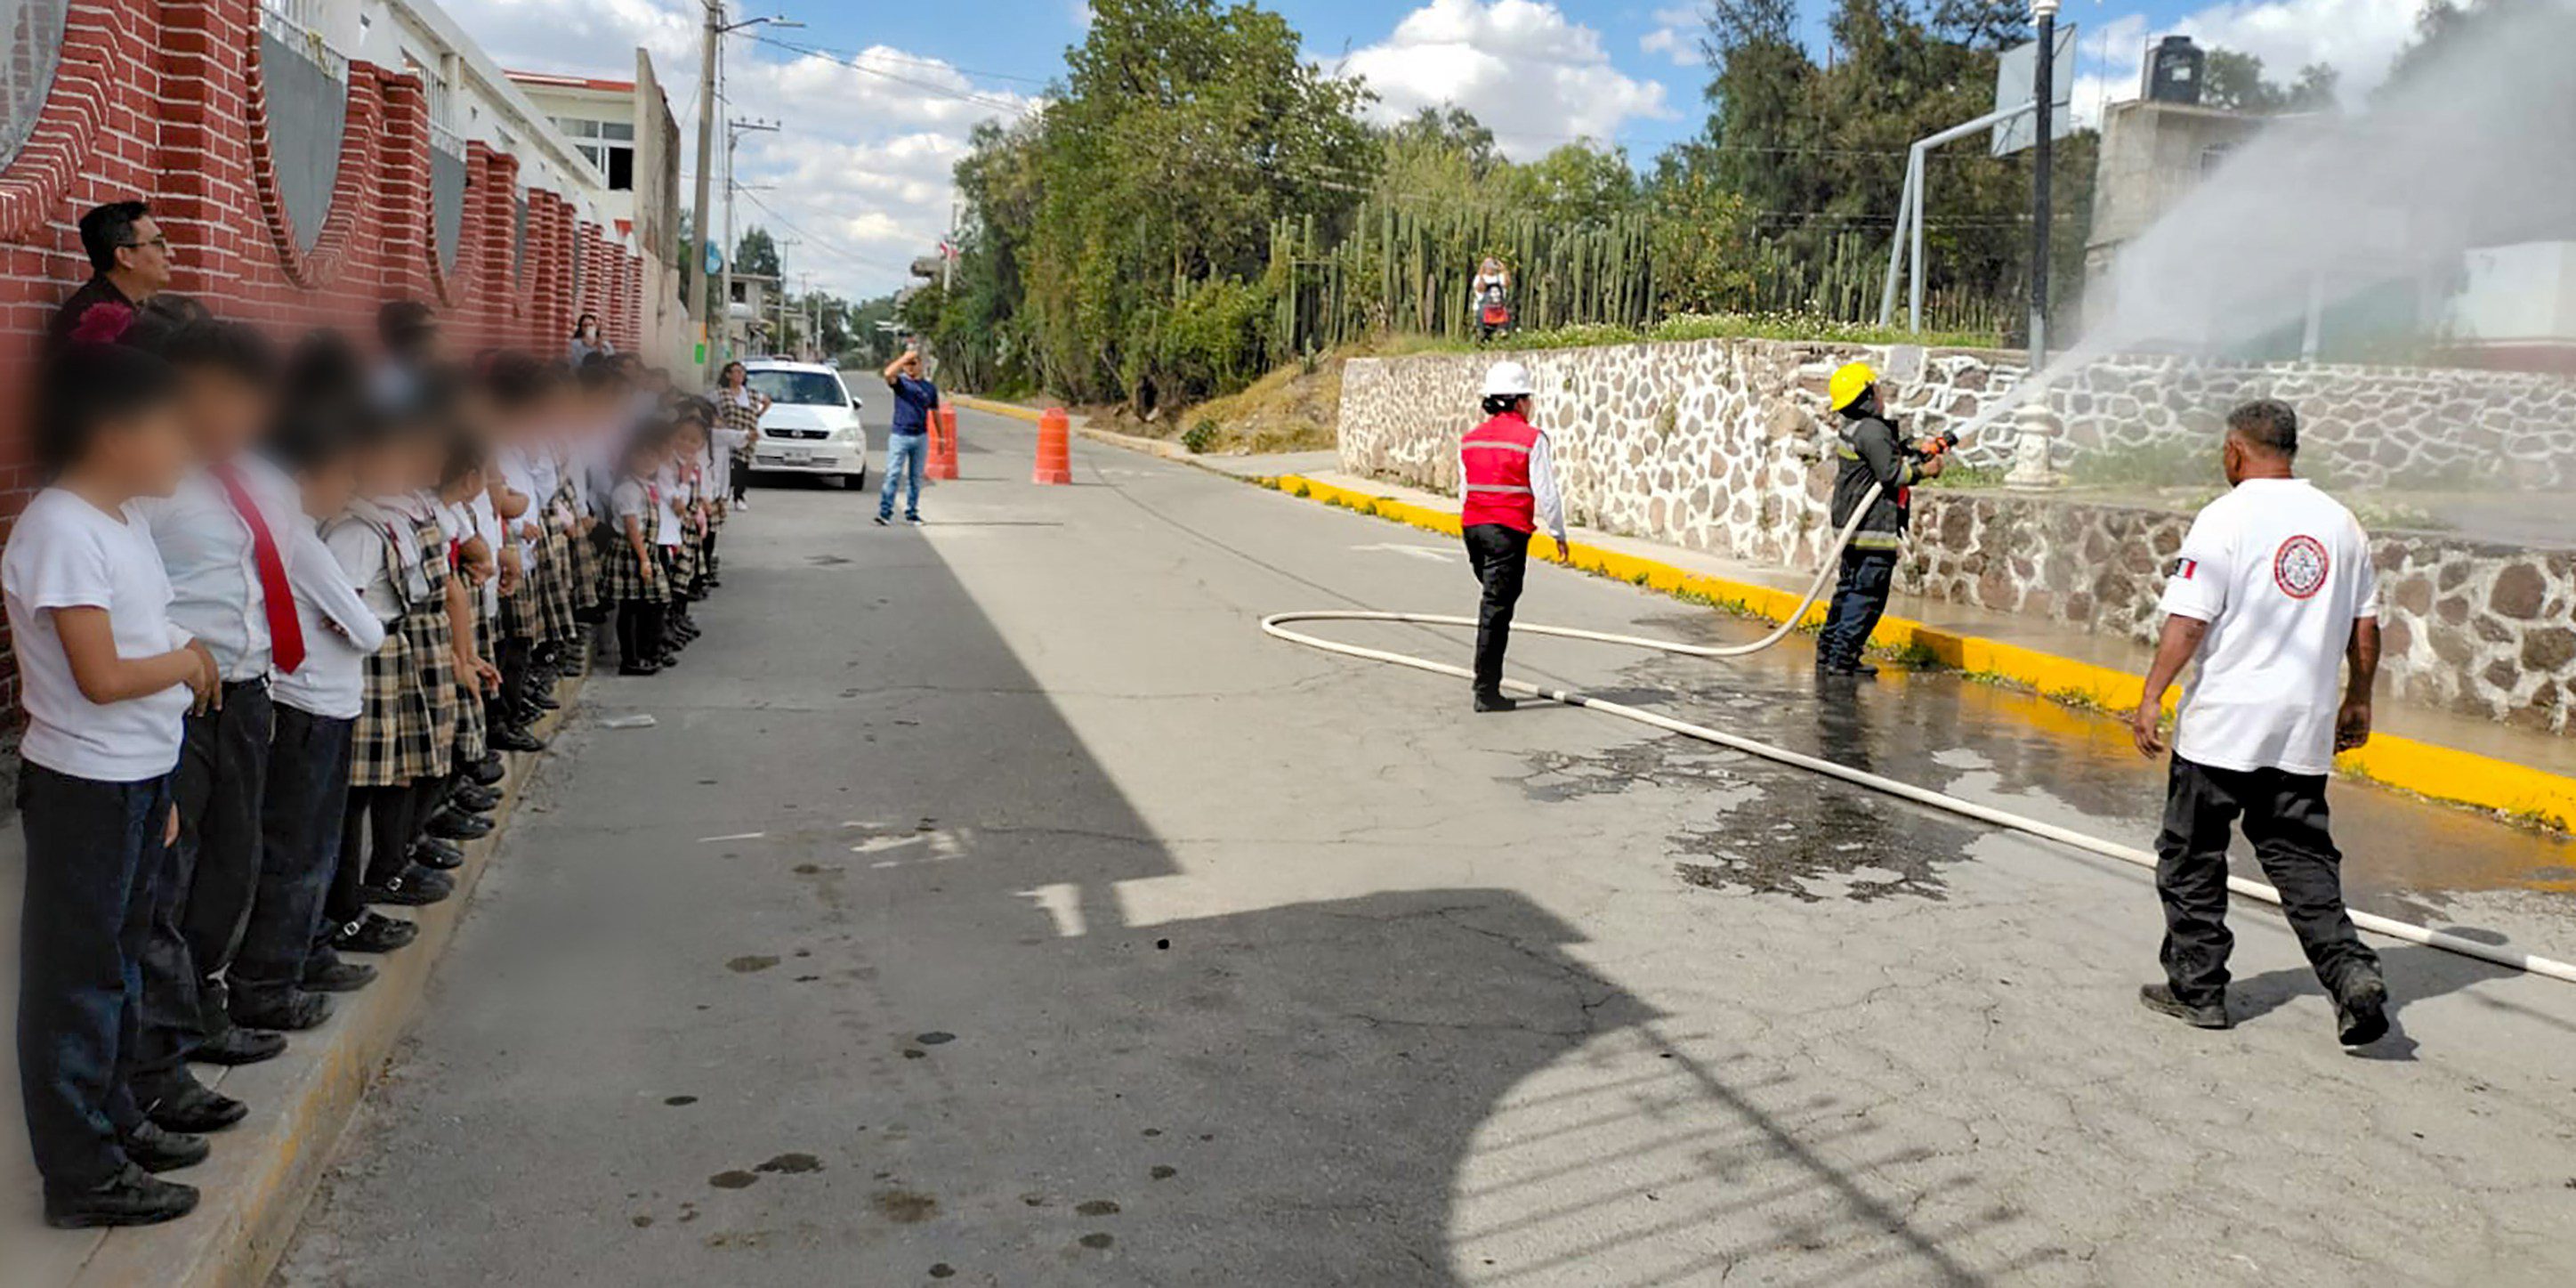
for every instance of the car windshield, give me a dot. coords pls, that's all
(800, 388)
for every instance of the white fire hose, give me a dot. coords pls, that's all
(1276, 625)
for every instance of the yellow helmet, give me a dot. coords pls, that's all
(1850, 381)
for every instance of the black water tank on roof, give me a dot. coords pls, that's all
(2174, 70)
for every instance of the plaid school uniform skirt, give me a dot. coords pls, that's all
(585, 573)
(390, 745)
(555, 622)
(473, 738)
(685, 565)
(623, 579)
(433, 643)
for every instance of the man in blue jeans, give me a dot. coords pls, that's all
(908, 444)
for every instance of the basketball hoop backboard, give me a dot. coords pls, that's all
(2014, 72)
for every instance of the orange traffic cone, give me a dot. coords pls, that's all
(1055, 447)
(943, 443)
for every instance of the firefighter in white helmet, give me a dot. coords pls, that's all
(1506, 489)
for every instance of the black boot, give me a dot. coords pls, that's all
(2160, 999)
(2361, 1010)
(1493, 700)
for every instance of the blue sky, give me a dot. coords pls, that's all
(860, 173)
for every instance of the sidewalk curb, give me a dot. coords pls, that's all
(2426, 769)
(266, 1170)
(1150, 446)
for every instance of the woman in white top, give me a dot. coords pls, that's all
(739, 408)
(106, 680)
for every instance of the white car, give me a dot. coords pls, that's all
(812, 425)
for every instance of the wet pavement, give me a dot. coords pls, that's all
(992, 904)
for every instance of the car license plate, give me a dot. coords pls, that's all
(796, 456)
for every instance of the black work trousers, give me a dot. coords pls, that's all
(1860, 599)
(2285, 819)
(211, 880)
(1499, 554)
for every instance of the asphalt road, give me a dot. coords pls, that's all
(992, 904)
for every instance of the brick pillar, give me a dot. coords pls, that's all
(201, 187)
(406, 228)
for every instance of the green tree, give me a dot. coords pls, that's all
(2234, 80)
(756, 254)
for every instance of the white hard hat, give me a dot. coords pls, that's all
(1508, 380)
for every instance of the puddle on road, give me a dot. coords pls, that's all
(1773, 829)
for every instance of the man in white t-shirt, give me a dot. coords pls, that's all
(2275, 596)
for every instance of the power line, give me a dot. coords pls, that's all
(944, 91)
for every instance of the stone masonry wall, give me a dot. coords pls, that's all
(1722, 446)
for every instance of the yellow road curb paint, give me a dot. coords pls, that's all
(1012, 410)
(2441, 773)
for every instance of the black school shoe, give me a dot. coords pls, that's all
(297, 1012)
(490, 770)
(437, 855)
(239, 1046)
(375, 933)
(324, 972)
(414, 887)
(157, 1149)
(515, 738)
(192, 1108)
(131, 1197)
(457, 825)
(639, 668)
(2160, 999)
(475, 798)
(2361, 1011)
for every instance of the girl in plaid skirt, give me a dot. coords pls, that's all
(633, 576)
(391, 746)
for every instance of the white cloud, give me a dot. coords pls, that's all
(1531, 75)
(2360, 38)
(862, 162)
(1675, 36)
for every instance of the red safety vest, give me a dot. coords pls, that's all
(1496, 458)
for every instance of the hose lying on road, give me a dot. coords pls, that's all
(1276, 625)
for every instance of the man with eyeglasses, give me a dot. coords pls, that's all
(129, 260)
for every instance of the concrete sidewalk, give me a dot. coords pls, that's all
(264, 1168)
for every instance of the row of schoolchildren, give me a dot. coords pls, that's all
(276, 619)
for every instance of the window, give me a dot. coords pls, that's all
(800, 388)
(609, 146)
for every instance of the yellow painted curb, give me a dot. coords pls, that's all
(1012, 410)
(2441, 773)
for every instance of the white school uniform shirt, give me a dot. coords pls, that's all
(340, 628)
(67, 553)
(487, 525)
(213, 564)
(2280, 571)
(357, 542)
(666, 529)
(395, 516)
(516, 476)
(628, 501)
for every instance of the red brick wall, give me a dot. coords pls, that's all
(162, 99)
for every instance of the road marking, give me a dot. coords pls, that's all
(738, 836)
(1063, 903)
(1431, 553)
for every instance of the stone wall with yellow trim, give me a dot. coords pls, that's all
(1722, 446)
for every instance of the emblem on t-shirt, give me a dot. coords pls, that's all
(2299, 567)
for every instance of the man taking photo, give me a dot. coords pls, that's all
(908, 442)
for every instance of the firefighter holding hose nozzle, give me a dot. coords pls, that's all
(1506, 489)
(1874, 453)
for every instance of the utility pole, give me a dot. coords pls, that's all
(2044, 96)
(734, 130)
(702, 217)
(701, 221)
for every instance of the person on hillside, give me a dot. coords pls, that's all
(1506, 489)
(2274, 594)
(1873, 454)
(1489, 298)
(129, 259)
(908, 441)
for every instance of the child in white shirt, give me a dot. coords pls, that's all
(106, 680)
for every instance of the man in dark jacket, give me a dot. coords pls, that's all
(129, 260)
(1872, 454)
